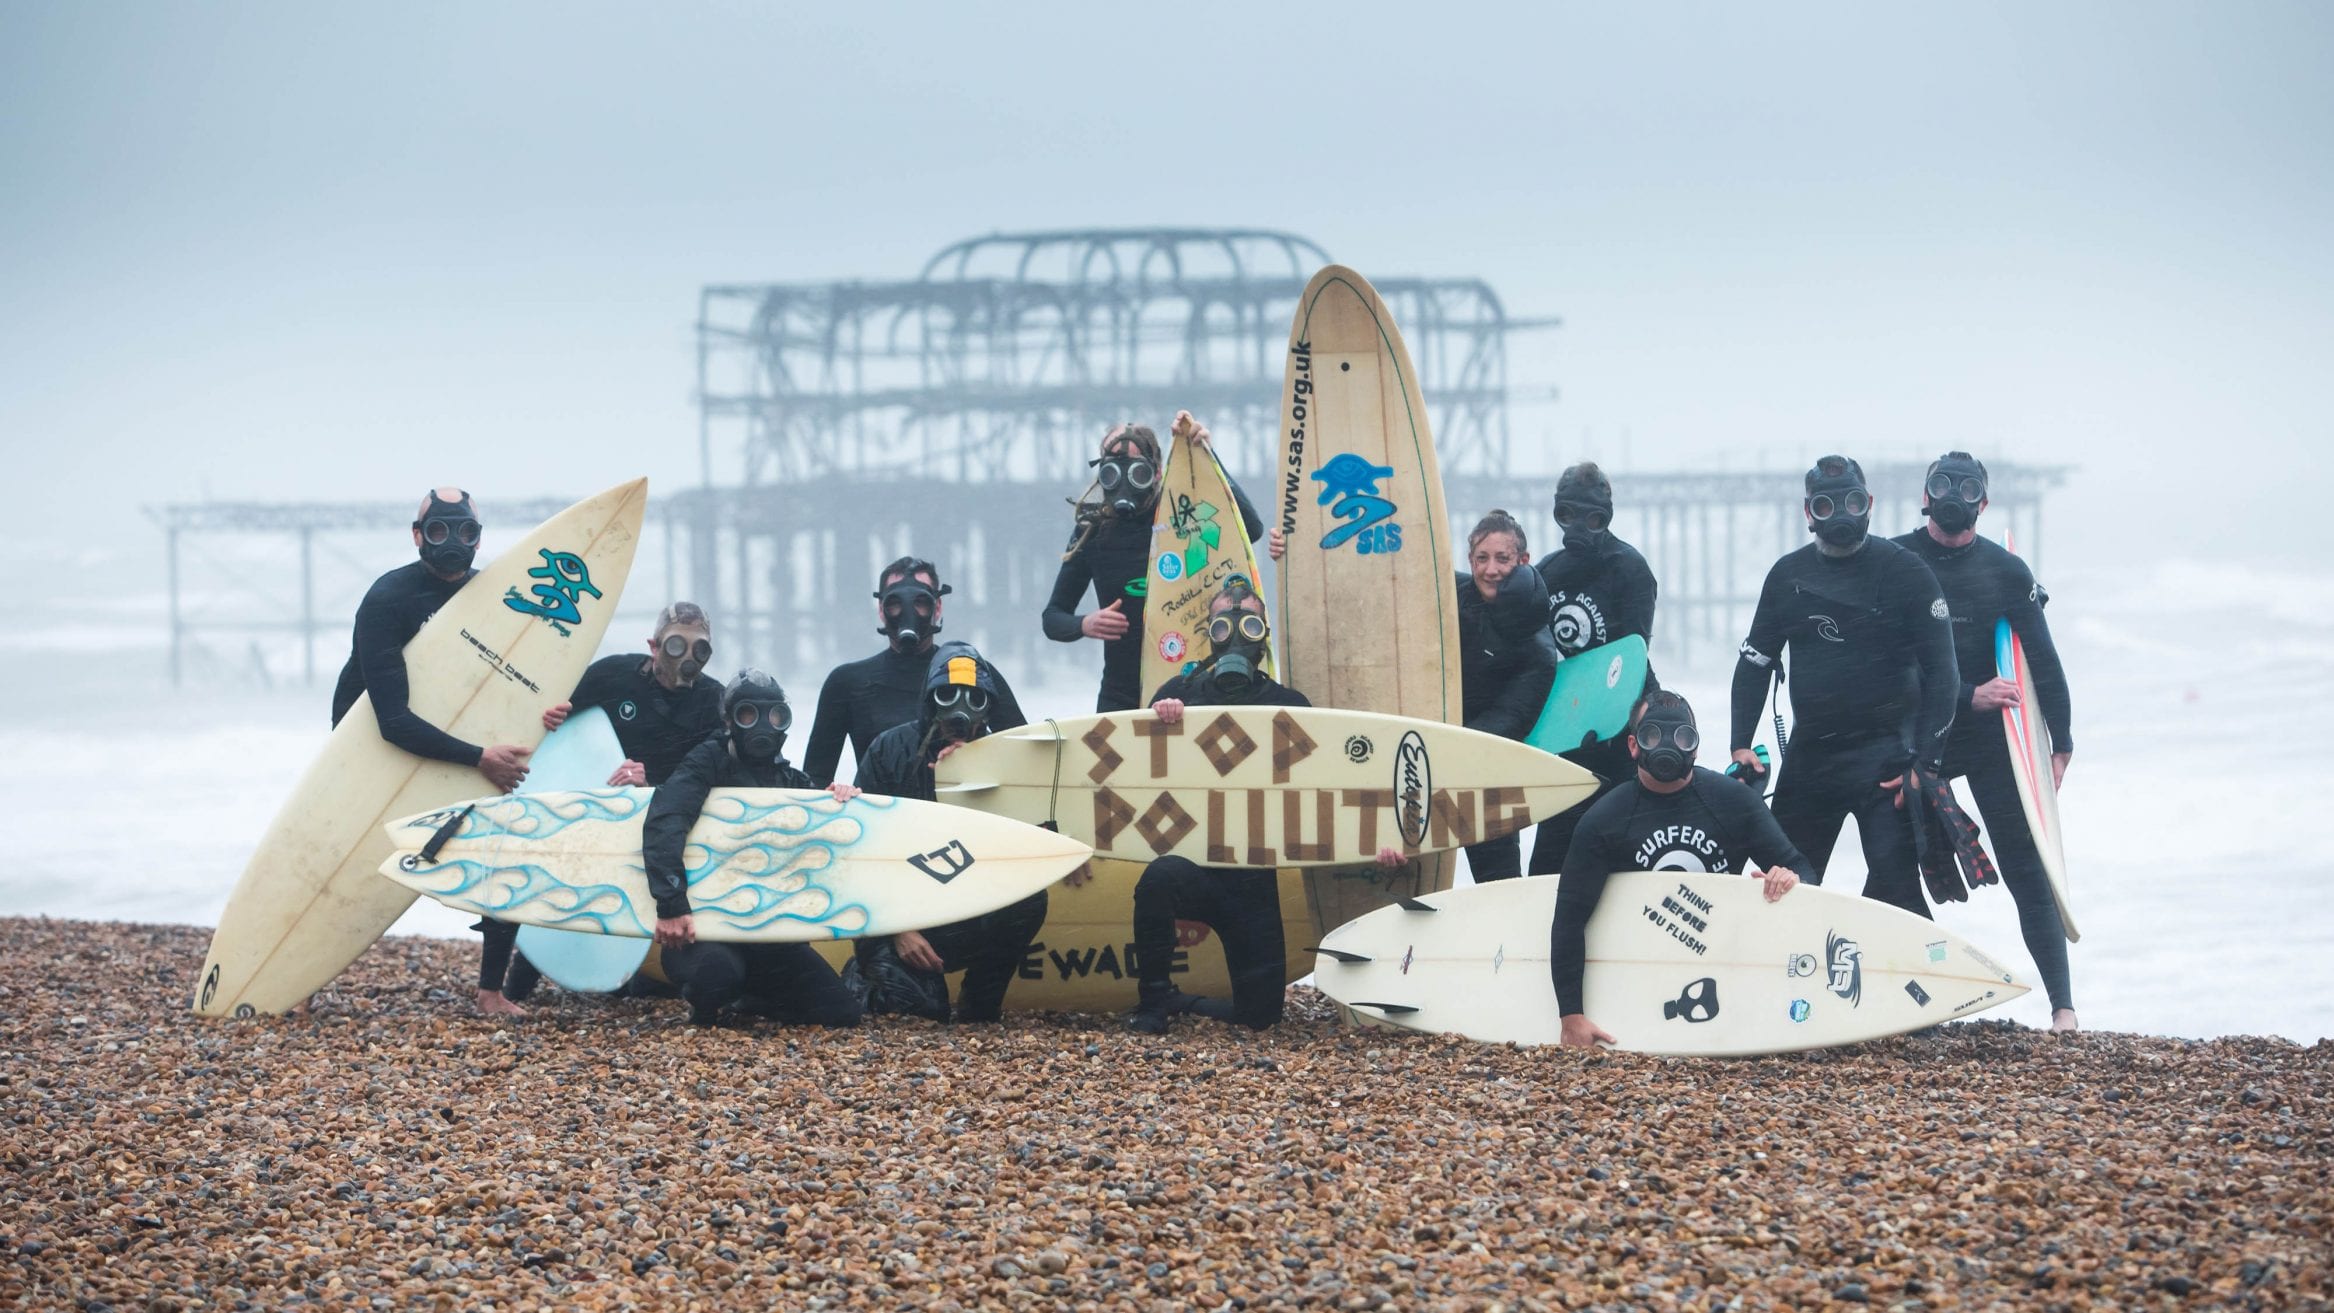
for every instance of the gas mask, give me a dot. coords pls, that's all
(754, 710)
(680, 656)
(449, 535)
(1129, 481)
(911, 613)
(1839, 506)
(1956, 488)
(1584, 506)
(1237, 640)
(1666, 741)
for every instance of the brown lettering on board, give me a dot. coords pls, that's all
(1292, 825)
(1158, 732)
(1290, 745)
(1165, 823)
(1370, 801)
(1259, 852)
(1219, 851)
(1225, 743)
(1454, 818)
(1504, 811)
(1112, 814)
(1106, 758)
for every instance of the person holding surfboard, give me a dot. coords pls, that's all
(446, 533)
(1673, 816)
(1874, 691)
(1110, 551)
(1985, 584)
(963, 699)
(1241, 904)
(1600, 590)
(789, 983)
(862, 699)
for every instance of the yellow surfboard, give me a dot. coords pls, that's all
(1197, 541)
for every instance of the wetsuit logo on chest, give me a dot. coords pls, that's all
(564, 582)
(627, 709)
(1827, 628)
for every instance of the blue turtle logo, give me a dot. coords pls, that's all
(1351, 483)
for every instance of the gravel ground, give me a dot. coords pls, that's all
(391, 1151)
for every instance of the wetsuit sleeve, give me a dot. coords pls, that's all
(1590, 861)
(1517, 708)
(1637, 602)
(1061, 609)
(597, 688)
(1248, 515)
(1008, 714)
(1762, 835)
(672, 811)
(1173, 688)
(2050, 674)
(1921, 609)
(794, 777)
(381, 656)
(885, 767)
(828, 728)
(1757, 660)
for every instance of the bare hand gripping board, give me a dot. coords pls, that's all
(1368, 619)
(510, 644)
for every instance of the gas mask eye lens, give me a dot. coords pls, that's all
(436, 532)
(1853, 502)
(1140, 474)
(747, 715)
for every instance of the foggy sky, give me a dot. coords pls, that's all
(344, 251)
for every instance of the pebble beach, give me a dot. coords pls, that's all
(392, 1150)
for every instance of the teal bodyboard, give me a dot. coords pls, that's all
(1592, 697)
(580, 754)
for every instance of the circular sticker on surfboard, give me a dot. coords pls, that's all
(1170, 565)
(1171, 646)
(1799, 1009)
(1613, 673)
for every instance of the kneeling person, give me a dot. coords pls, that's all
(785, 982)
(962, 697)
(1675, 816)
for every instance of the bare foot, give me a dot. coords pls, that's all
(2062, 1022)
(491, 1003)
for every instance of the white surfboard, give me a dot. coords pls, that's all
(2030, 754)
(510, 644)
(1677, 962)
(580, 754)
(1263, 786)
(764, 865)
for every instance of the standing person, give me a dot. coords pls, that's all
(1674, 816)
(1873, 690)
(789, 983)
(1983, 585)
(446, 531)
(861, 699)
(1110, 551)
(1241, 904)
(1599, 591)
(961, 695)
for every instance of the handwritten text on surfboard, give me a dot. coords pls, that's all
(1266, 826)
(564, 580)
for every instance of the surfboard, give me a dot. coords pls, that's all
(1676, 962)
(1083, 959)
(1197, 541)
(1592, 697)
(581, 754)
(1367, 616)
(512, 642)
(1265, 786)
(765, 865)
(2030, 753)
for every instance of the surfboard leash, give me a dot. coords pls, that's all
(1053, 802)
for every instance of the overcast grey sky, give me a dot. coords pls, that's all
(340, 251)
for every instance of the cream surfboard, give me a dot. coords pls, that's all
(764, 865)
(1261, 786)
(1676, 962)
(580, 754)
(1083, 959)
(1197, 541)
(511, 643)
(2030, 753)
(1367, 617)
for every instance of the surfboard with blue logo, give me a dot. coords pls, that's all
(1366, 616)
(1197, 541)
(1592, 696)
(580, 754)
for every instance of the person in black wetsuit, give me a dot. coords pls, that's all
(1241, 904)
(1110, 552)
(1675, 816)
(862, 699)
(1599, 591)
(1873, 684)
(962, 695)
(788, 983)
(1985, 584)
(446, 532)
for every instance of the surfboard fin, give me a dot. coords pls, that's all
(1340, 955)
(446, 833)
(1413, 905)
(1390, 1009)
(969, 786)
